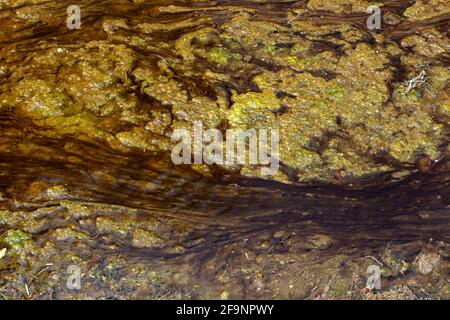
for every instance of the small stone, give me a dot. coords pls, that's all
(391, 18)
(2, 253)
(146, 239)
(279, 234)
(258, 284)
(318, 241)
(224, 295)
(424, 164)
(58, 192)
(264, 245)
(426, 262)
(424, 215)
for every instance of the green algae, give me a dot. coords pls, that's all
(16, 238)
(271, 48)
(341, 6)
(422, 10)
(221, 56)
(254, 110)
(351, 95)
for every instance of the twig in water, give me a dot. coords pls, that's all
(412, 83)
(375, 259)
